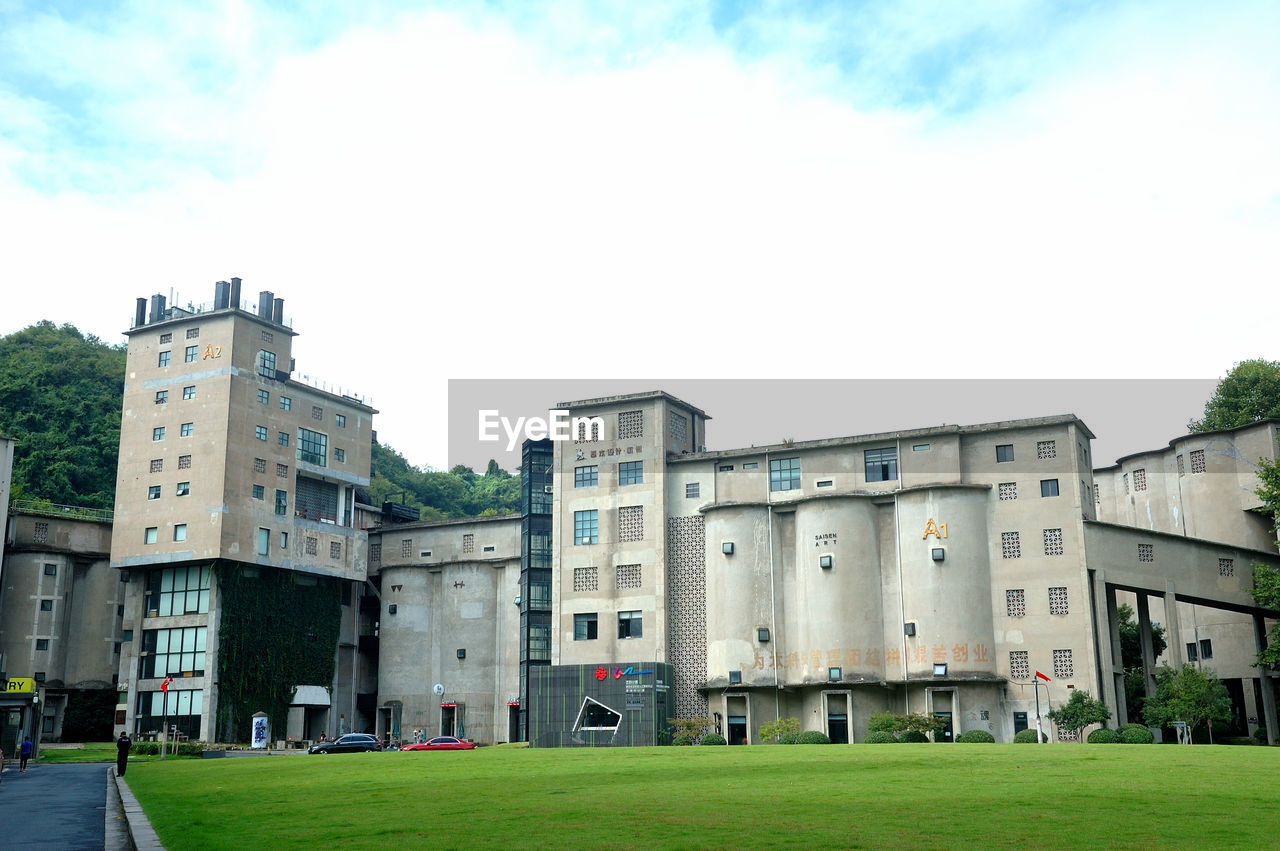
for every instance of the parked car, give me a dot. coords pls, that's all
(441, 743)
(350, 743)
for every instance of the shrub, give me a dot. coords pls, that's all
(681, 740)
(913, 737)
(713, 739)
(1135, 734)
(791, 738)
(1025, 737)
(145, 749)
(814, 737)
(976, 737)
(1103, 736)
(879, 737)
(882, 722)
(1260, 735)
(776, 729)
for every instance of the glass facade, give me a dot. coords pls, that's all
(536, 492)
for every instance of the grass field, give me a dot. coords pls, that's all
(717, 797)
(90, 752)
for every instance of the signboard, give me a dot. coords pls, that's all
(21, 685)
(259, 739)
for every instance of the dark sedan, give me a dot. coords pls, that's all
(441, 743)
(350, 743)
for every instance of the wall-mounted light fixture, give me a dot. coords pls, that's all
(908, 629)
(939, 554)
(762, 634)
(727, 548)
(826, 561)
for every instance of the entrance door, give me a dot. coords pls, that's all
(945, 735)
(737, 729)
(838, 728)
(513, 723)
(448, 719)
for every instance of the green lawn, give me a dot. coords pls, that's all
(90, 752)
(761, 796)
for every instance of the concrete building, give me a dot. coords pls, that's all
(237, 519)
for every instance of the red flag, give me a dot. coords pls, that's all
(164, 686)
(1042, 676)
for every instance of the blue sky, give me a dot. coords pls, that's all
(635, 190)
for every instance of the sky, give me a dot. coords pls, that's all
(652, 192)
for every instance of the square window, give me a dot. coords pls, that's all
(630, 625)
(630, 473)
(258, 492)
(283, 438)
(340, 420)
(260, 432)
(180, 532)
(184, 488)
(282, 471)
(50, 570)
(259, 465)
(267, 364)
(153, 492)
(189, 392)
(186, 429)
(784, 474)
(691, 490)
(1046, 449)
(1048, 487)
(166, 338)
(42, 644)
(46, 605)
(584, 627)
(834, 675)
(586, 579)
(735, 677)
(1004, 452)
(189, 354)
(1008, 491)
(335, 549)
(586, 527)
(157, 433)
(586, 477)
(163, 359)
(193, 333)
(285, 403)
(157, 465)
(264, 396)
(340, 455)
(162, 396)
(881, 464)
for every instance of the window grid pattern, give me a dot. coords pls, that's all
(312, 545)
(193, 333)
(1146, 553)
(1197, 461)
(189, 392)
(259, 465)
(1053, 542)
(317, 412)
(1140, 479)
(630, 425)
(189, 354)
(1097, 496)
(469, 543)
(184, 462)
(784, 474)
(586, 579)
(157, 465)
(153, 492)
(631, 472)
(631, 523)
(1019, 665)
(627, 577)
(173, 651)
(166, 338)
(1010, 546)
(406, 547)
(1058, 600)
(691, 490)
(1182, 468)
(41, 533)
(1063, 667)
(586, 527)
(335, 549)
(179, 591)
(1015, 602)
(881, 465)
(282, 471)
(313, 447)
(1008, 491)
(1226, 567)
(375, 552)
(586, 477)
(1046, 449)
(582, 436)
(687, 612)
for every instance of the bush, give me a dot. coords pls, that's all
(913, 737)
(145, 749)
(713, 739)
(814, 737)
(879, 737)
(1025, 737)
(777, 729)
(1260, 735)
(791, 738)
(883, 722)
(1135, 734)
(976, 737)
(1103, 736)
(681, 740)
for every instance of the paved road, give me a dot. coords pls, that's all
(54, 806)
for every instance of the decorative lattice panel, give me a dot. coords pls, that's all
(630, 425)
(626, 577)
(1140, 480)
(157, 465)
(282, 471)
(1058, 600)
(1019, 665)
(375, 552)
(687, 612)
(1182, 468)
(259, 465)
(586, 579)
(1053, 542)
(184, 462)
(1097, 497)
(1063, 667)
(1065, 735)
(1226, 567)
(40, 532)
(312, 546)
(678, 427)
(1010, 547)
(1146, 552)
(335, 549)
(1015, 602)
(406, 547)
(1046, 449)
(631, 523)
(1008, 491)
(1197, 460)
(468, 543)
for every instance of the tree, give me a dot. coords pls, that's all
(1079, 712)
(1266, 580)
(919, 722)
(1187, 694)
(775, 729)
(1248, 393)
(1135, 679)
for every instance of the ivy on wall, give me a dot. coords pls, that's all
(274, 633)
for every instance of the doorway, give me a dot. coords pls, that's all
(737, 730)
(946, 734)
(448, 720)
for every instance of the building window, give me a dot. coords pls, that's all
(267, 364)
(184, 488)
(340, 420)
(584, 627)
(260, 432)
(180, 532)
(1146, 552)
(335, 549)
(284, 543)
(153, 492)
(46, 605)
(193, 333)
(189, 392)
(406, 547)
(149, 534)
(264, 541)
(691, 490)
(268, 337)
(178, 591)
(317, 412)
(1197, 461)
(586, 477)
(313, 447)
(1015, 601)
(259, 465)
(468, 543)
(631, 523)
(1140, 480)
(1058, 600)
(586, 579)
(186, 429)
(585, 527)
(1048, 487)
(1010, 547)
(340, 455)
(285, 403)
(42, 644)
(162, 396)
(1193, 652)
(157, 465)
(282, 502)
(1226, 567)
(166, 338)
(157, 433)
(1206, 648)
(1182, 471)
(173, 651)
(627, 577)
(50, 570)
(881, 464)
(1019, 665)
(825, 483)
(784, 474)
(631, 473)
(1063, 668)
(40, 532)
(1125, 479)
(630, 425)
(163, 359)
(1053, 542)
(1097, 497)
(258, 492)
(264, 396)
(725, 468)
(1046, 449)
(282, 438)
(630, 625)
(1008, 491)
(189, 354)
(282, 471)
(1004, 452)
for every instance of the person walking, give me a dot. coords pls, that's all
(24, 753)
(122, 753)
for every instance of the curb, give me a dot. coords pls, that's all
(140, 830)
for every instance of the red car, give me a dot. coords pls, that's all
(441, 743)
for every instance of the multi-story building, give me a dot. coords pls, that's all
(236, 527)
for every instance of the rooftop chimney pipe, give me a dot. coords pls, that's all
(235, 293)
(221, 295)
(140, 313)
(277, 311)
(157, 307)
(265, 298)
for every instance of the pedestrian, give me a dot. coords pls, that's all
(122, 753)
(24, 754)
